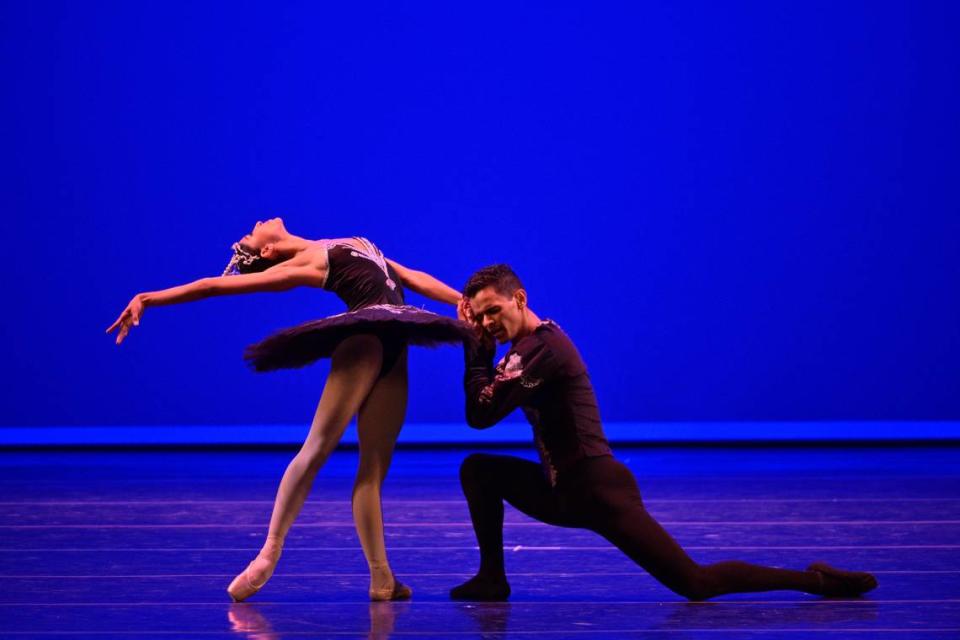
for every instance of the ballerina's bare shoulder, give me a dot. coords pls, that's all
(316, 256)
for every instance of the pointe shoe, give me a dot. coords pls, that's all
(244, 586)
(845, 584)
(398, 591)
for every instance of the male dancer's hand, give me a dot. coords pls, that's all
(465, 314)
(128, 319)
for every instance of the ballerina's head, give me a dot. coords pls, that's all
(260, 249)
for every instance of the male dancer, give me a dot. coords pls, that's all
(579, 483)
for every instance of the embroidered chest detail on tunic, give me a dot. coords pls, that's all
(509, 368)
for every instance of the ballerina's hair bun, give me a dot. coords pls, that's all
(246, 260)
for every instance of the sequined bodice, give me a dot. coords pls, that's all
(361, 276)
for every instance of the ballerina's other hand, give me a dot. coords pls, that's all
(465, 314)
(128, 319)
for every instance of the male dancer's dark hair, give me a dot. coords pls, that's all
(500, 276)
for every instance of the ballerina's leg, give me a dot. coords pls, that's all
(378, 426)
(354, 367)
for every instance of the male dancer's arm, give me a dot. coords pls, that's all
(491, 394)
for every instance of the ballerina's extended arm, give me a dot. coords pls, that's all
(279, 278)
(425, 284)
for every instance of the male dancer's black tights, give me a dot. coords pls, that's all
(600, 494)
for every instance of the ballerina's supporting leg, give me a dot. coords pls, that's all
(354, 367)
(378, 426)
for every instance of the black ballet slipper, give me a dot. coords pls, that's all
(482, 589)
(837, 583)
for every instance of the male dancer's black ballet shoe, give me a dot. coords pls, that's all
(836, 583)
(482, 590)
(399, 591)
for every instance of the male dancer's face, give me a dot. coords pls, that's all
(500, 315)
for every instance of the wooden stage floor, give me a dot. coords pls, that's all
(134, 544)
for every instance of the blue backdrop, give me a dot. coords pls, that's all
(742, 212)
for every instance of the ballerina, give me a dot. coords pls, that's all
(367, 346)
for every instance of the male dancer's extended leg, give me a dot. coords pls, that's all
(602, 495)
(624, 521)
(487, 481)
(353, 371)
(378, 426)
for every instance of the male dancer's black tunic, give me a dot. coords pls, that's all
(579, 483)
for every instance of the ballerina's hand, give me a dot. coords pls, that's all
(465, 314)
(128, 319)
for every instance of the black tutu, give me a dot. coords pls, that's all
(300, 345)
